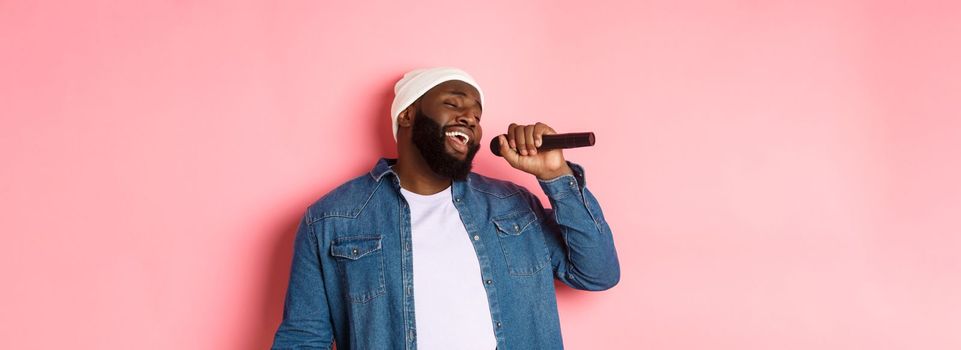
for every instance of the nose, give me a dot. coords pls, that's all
(467, 118)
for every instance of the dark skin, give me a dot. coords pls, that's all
(455, 105)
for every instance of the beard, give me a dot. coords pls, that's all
(429, 139)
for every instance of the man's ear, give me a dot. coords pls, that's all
(406, 117)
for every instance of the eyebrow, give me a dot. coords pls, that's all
(461, 93)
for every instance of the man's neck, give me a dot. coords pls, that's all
(416, 176)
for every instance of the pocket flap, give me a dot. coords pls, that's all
(514, 223)
(355, 247)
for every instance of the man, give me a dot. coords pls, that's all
(423, 253)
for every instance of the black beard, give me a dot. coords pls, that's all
(429, 138)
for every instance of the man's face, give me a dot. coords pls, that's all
(446, 128)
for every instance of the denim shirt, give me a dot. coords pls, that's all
(351, 276)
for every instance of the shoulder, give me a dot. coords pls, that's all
(346, 200)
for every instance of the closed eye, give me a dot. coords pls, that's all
(452, 105)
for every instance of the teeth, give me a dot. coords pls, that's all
(465, 139)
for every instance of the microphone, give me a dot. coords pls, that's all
(555, 141)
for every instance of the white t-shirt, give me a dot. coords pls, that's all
(450, 303)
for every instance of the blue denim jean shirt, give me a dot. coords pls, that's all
(351, 276)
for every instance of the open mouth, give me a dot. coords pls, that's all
(459, 136)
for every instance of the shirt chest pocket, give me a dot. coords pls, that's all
(360, 264)
(521, 242)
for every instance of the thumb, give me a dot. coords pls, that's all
(509, 154)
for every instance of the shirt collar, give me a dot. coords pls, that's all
(383, 168)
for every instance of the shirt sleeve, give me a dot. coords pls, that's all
(306, 322)
(580, 242)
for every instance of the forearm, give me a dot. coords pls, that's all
(581, 242)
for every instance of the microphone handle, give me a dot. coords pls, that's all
(556, 141)
(571, 140)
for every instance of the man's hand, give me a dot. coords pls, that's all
(519, 148)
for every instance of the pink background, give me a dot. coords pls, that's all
(778, 174)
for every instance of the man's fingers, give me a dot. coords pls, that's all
(541, 129)
(520, 139)
(529, 139)
(525, 139)
(510, 135)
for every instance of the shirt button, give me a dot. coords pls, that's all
(516, 228)
(488, 281)
(354, 251)
(498, 325)
(476, 237)
(457, 199)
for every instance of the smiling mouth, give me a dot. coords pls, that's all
(459, 136)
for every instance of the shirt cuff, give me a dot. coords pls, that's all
(565, 185)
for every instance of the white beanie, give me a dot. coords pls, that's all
(417, 82)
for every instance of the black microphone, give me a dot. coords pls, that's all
(555, 141)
